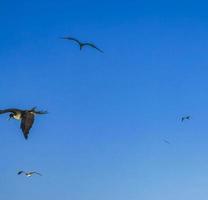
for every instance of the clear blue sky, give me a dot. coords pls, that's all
(109, 113)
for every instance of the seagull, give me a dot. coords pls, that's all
(185, 118)
(27, 118)
(81, 44)
(28, 174)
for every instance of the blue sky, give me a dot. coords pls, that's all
(108, 113)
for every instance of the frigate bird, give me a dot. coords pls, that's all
(185, 118)
(82, 44)
(27, 117)
(28, 174)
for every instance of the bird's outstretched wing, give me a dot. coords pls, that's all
(33, 110)
(36, 173)
(40, 112)
(71, 38)
(185, 118)
(26, 123)
(20, 172)
(93, 46)
(11, 110)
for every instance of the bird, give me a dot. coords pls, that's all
(166, 141)
(185, 118)
(81, 44)
(28, 174)
(26, 117)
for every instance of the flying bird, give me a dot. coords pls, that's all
(28, 174)
(26, 117)
(185, 118)
(81, 44)
(166, 141)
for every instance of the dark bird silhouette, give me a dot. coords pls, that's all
(27, 118)
(166, 141)
(82, 44)
(185, 118)
(28, 174)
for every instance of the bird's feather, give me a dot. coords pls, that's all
(20, 172)
(11, 110)
(71, 38)
(33, 110)
(93, 46)
(41, 112)
(36, 173)
(26, 123)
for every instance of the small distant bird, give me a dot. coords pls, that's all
(28, 174)
(185, 118)
(82, 44)
(27, 118)
(166, 141)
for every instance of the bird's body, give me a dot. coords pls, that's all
(82, 44)
(185, 118)
(26, 117)
(29, 174)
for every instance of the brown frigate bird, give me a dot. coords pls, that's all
(26, 117)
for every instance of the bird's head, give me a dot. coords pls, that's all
(11, 116)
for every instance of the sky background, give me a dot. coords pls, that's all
(108, 113)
